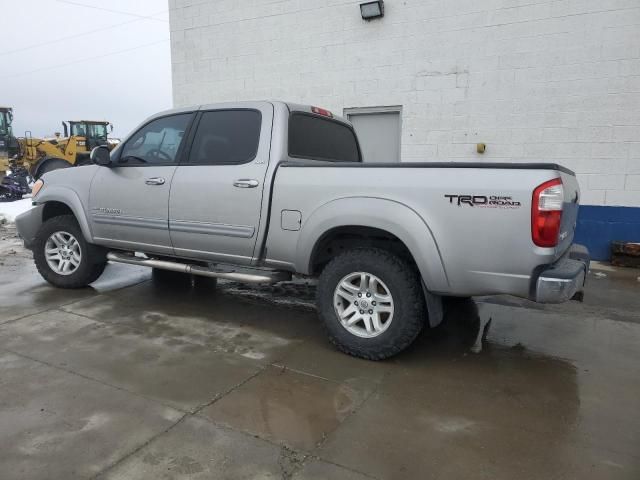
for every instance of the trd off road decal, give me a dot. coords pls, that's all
(483, 201)
(107, 211)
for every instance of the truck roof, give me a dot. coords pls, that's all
(291, 106)
(297, 107)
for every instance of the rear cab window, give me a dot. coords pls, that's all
(319, 138)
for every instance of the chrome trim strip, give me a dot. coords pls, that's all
(153, 223)
(218, 257)
(280, 264)
(133, 246)
(239, 231)
(499, 274)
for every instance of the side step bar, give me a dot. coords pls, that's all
(248, 276)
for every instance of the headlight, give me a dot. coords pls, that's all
(36, 188)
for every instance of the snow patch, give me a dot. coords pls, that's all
(10, 210)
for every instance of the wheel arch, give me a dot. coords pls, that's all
(366, 218)
(343, 237)
(55, 208)
(58, 200)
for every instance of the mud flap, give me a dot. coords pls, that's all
(435, 309)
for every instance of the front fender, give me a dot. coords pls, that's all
(65, 195)
(384, 214)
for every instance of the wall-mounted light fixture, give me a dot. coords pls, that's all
(371, 10)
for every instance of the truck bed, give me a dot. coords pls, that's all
(475, 218)
(490, 165)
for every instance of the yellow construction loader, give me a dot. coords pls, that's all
(41, 155)
(8, 143)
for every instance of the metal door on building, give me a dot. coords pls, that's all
(379, 132)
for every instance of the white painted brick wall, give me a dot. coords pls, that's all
(535, 80)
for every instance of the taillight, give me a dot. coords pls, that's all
(546, 213)
(322, 111)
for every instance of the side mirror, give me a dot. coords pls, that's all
(101, 156)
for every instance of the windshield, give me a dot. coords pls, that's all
(78, 129)
(3, 123)
(97, 130)
(90, 130)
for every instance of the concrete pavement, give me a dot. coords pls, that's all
(139, 379)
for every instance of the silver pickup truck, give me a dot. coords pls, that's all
(258, 191)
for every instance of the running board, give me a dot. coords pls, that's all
(248, 276)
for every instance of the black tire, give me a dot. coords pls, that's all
(403, 282)
(92, 258)
(162, 276)
(48, 165)
(179, 279)
(204, 284)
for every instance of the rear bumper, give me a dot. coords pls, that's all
(564, 279)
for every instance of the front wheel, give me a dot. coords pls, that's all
(371, 303)
(62, 255)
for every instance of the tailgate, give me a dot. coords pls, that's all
(569, 212)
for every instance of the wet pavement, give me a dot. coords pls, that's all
(136, 378)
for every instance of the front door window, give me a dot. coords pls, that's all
(157, 142)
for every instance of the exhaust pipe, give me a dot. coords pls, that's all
(262, 277)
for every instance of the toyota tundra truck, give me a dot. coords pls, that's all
(260, 191)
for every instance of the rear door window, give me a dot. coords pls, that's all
(319, 138)
(226, 137)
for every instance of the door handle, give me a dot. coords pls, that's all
(154, 181)
(246, 183)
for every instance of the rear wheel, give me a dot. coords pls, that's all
(371, 303)
(62, 255)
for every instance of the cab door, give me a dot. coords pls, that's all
(216, 195)
(129, 201)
